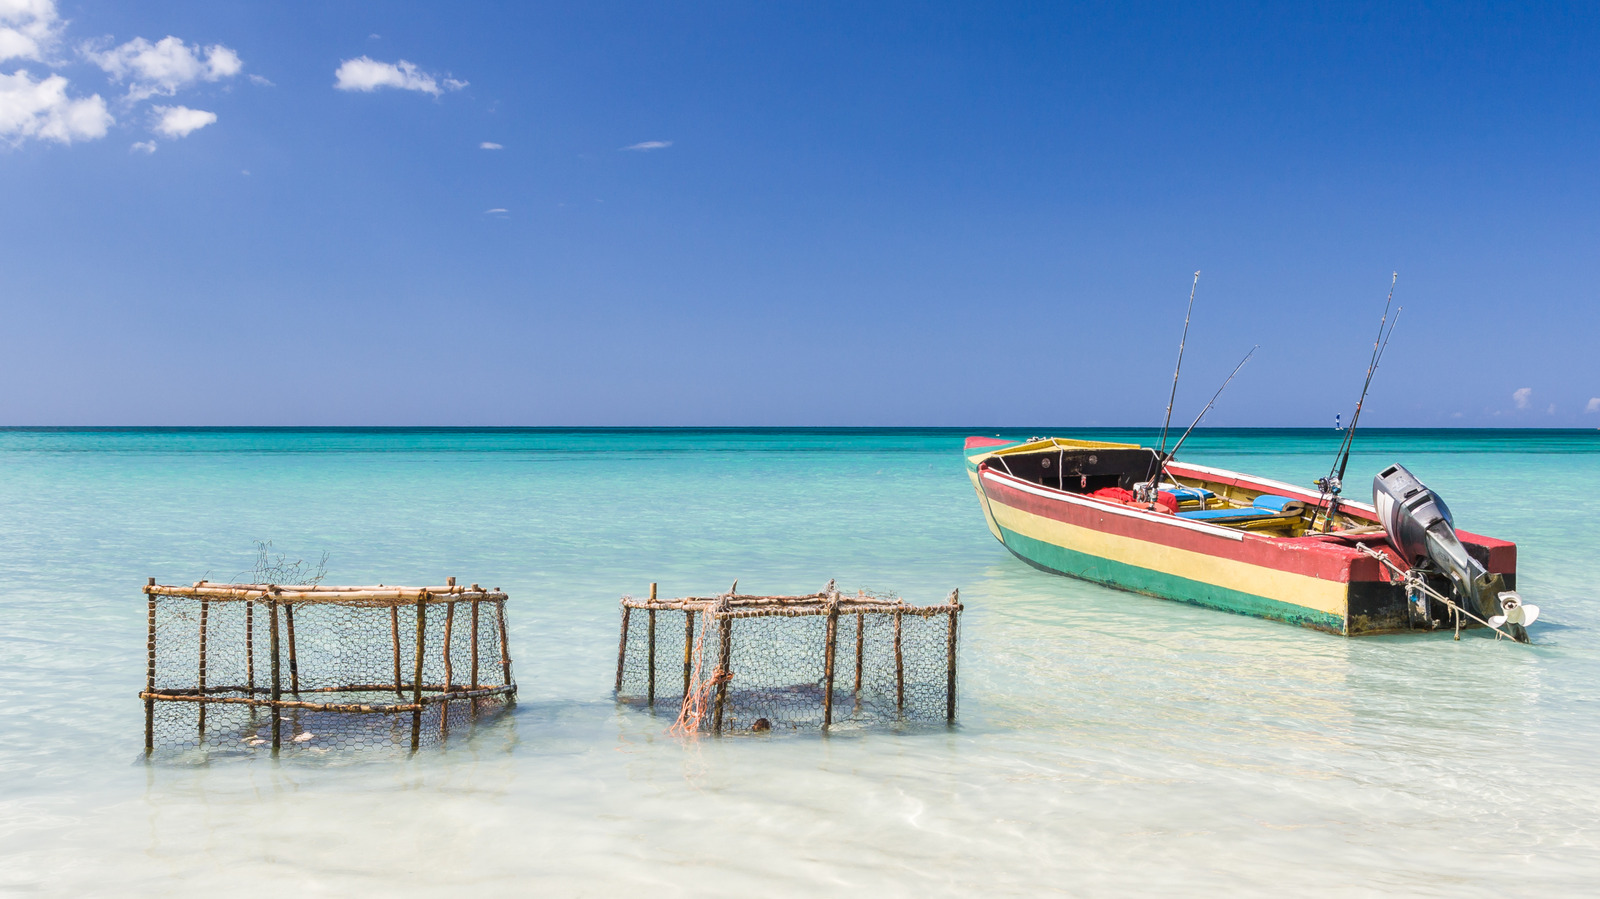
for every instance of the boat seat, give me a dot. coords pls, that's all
(1276, 503)
(1265, 506)
(1187, 494)
(1229, 514)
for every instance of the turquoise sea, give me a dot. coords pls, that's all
(1107, 743)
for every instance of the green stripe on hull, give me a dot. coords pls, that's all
(1060, 560)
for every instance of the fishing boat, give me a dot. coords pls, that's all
(1131, 517)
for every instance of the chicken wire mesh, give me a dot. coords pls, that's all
(318, 669)
(742, 663)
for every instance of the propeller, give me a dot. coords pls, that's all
(1514, 611)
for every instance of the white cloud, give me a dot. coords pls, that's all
(145, 146)
(650, 145)
(495, 211)
(165, 66)
(1521, 395)
(42, 110)
(367, 74)
(1594, 404)
(490, 145)
(29, 29)
(181, 121)
(264, 82)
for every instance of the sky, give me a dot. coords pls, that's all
(808, 214)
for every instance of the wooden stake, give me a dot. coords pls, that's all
(688, 650)
(449, 625)
(250, 647)
(950, 670)
(150, 676)
(622, 649)
(860, 644)
(899, 667)
(205, 613)
(416, 685)
(294, 665)
(277, 680)
(650, 699)
(505, 643)
(394, 638)
(827, 663)
(723, 675)
(475, 647)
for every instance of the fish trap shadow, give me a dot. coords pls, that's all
(319, 668)
(744, 663)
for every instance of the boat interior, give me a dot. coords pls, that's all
(1113, 471)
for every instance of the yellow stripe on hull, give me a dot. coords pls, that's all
(1329, 597)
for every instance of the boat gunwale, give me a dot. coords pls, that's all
(1107, 505)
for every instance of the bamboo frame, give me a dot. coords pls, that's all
(722, 675)
(277, 683)
(413, 694)
(250, 643)
(150, 679)
(475, 645)
(416, 678)
(861, 622)
(688, 650)
(899, 667)
(622, 649)
(294, 660)
(727, 607)
(827, 664)
(394, 637)
(650, 700)
(449, 673)
(369, 708)
(950, 660)
(309, 594)
(205, 611)
(505, 642)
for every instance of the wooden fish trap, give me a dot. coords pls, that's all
(252, 666)
(738, 662)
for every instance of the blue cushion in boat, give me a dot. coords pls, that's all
(1227, 514)
(1266, 506)
(1191, 493)
(1275, 503)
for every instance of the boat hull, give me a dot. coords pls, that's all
(1315, 582)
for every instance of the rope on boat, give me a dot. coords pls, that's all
(1416, 584)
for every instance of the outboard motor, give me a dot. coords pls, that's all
(1421, 530)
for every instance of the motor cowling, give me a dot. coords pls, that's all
(1422, 530)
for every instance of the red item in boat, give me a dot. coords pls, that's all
(1165, 499)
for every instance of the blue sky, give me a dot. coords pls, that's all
(794, 214)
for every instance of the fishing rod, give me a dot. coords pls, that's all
(1178, 368)
(1155, 485)
(1333, 484)
(1214, 396)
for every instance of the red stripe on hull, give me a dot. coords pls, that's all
(1308, 556)
(1502, 553)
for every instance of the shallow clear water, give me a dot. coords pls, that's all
(1107, 742)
